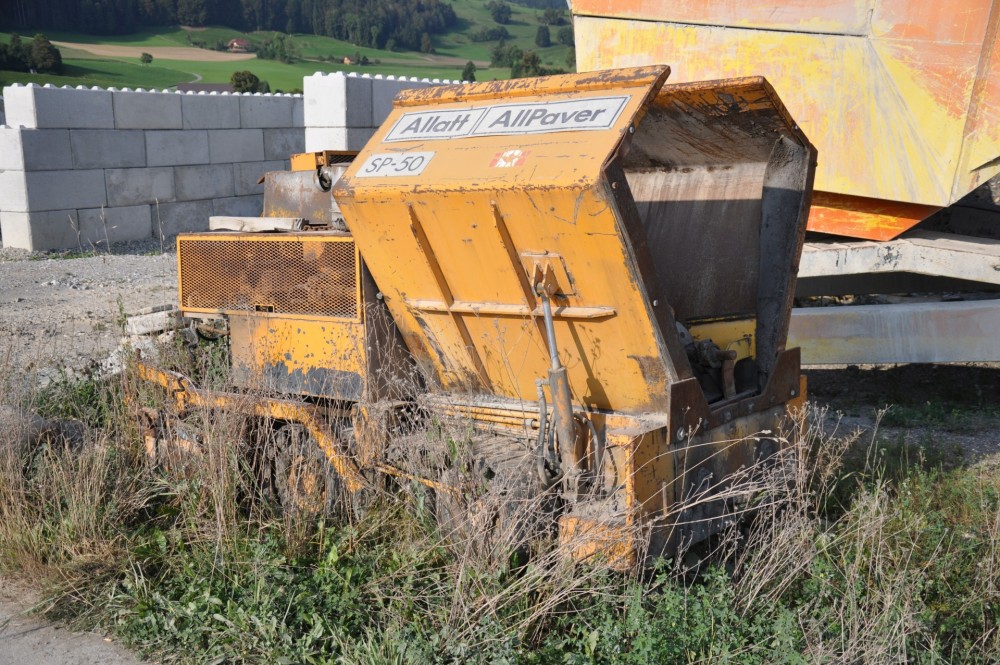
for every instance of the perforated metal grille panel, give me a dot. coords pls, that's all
(314, 276)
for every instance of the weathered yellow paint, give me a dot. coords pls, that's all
(319, 357)
(454, 247)
(900, 96)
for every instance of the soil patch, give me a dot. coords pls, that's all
(163, 52)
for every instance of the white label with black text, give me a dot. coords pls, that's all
(588, 114)
(574, 115)
(394, 164)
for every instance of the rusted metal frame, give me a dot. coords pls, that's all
(690, 413)
(632, 235)
(188, 396)
(435, 485)
(788, 182)
(435, 267)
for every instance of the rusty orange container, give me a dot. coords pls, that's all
(901, 97)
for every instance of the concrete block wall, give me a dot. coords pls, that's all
(83, 166)
(342, 111)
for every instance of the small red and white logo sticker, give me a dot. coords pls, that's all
(509, 158)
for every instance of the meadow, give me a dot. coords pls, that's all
(314, 53)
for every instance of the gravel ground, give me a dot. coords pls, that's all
(62, 314)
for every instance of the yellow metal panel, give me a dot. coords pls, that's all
(298, 357)
(901, 97)
(736, 335)
(465, 195)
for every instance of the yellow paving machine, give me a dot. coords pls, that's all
(592, 273)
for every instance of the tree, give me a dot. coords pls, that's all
(504, 55)
(469, 73)
(565, 36)
(191, 12)
(44, 56)
(542, 37)
(500, 11)
(426, 45)
(552, 16)
(15, 56)
(571, 60)
(145, 58)
(528, 65)
(245, 81)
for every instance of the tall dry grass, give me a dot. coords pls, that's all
(196, 561)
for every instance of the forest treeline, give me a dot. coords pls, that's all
(384, 24)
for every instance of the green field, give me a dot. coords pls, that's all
(315, 53)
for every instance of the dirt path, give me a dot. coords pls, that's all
(162, 52)
(26, 640)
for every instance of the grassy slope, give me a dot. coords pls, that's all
(473, 15)
(85, 69)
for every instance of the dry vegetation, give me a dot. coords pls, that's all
(851, 553)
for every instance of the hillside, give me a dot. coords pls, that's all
(183, 54)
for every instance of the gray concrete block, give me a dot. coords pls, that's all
(19, 105)
(213, 181)
(173, 218)
(235, 145)
(147, 110)
(11, 150)
(14, 231)
(240, 206)
(247, 174)
(128, 187)
(210, 111)
(104, 225)
(59, 108)
(46, 149)
(107, 148)
(13, 191)
(266, 111)
(283, 143)
(59, 190)
(51, 229)
(336, 100)
(298, 113)
(176, 148)
(337, 138)
(383, 92)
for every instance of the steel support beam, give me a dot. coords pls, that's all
(919, 252)
(939, 332)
